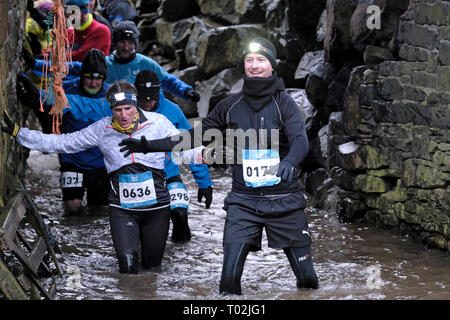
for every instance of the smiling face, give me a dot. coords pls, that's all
(93, 85)
(257, 65)
(124, 115)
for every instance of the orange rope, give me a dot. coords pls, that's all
(58, 66)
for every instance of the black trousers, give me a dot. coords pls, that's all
(286, 227)
(131, 228)
(235, 255)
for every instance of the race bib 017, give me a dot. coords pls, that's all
(137, 190)
(179, 196)
(71, 179)
(260, 167)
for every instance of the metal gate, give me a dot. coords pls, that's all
(28, 264)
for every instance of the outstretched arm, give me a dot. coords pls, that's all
(86, 138)
(190, 139)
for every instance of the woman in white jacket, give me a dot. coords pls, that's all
(138, 199)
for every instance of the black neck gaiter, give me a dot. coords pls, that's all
(123, 60)
(259, 91)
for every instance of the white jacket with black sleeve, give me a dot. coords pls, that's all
(137, 181)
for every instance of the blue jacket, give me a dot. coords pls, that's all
(128, 72)
(175, 115)
(91, 158)
(95, 109)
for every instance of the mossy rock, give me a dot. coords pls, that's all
(371, 184)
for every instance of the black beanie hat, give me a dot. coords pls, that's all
(264, 47)
(94, 64)
(147, 85)
(125, 30)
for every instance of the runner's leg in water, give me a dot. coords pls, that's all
(233, 266)
(180, 226)
(150, 228)
(125, 236)
(154, 230)
(301, 262)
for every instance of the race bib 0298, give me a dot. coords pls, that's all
(179, 196)
(137, 190)
(260, 167)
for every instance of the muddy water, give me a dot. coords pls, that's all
(353, 261)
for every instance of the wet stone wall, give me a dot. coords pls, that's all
(394, 169)
(12, 28)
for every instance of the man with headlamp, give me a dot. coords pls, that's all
(260, 198)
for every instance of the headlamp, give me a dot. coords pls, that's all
(122, 98)
(94, 75)
(254, 47)
(148, 85)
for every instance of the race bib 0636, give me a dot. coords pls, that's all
(260, 167)
(137, 190)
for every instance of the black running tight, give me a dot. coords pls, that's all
(234, 259)
(129, 228)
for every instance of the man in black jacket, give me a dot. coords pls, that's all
(265, 191)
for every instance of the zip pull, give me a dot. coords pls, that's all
(262, 122)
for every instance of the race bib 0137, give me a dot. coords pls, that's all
(70, 179)
(260, 167)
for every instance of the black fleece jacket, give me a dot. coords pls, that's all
(263, 105)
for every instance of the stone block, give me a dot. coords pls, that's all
(434, 14)
(422, 176)
(371, 184)
(443, 73)
(439, 117)
(391, 89)
(444, 52)
(414, 94)
(417, 35)
(412, 53)
(424, 79)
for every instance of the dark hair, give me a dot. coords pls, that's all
(120, 86)
(129, 96)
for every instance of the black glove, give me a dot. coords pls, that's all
(27, 93)
(192, 94)
(286, 171)
(11, 128)
(207, 193)
(30, 62)
(134, 145)
(35, 45)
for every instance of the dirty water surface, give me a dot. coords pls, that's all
(352, 261)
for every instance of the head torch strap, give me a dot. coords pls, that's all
(255, 47)
(95, 75)
(122, 98)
